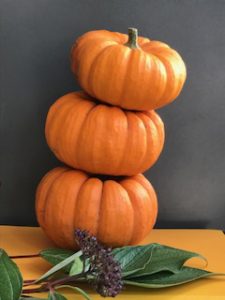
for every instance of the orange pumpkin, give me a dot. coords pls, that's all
(118, 211)
(102, 139)
(130, 72)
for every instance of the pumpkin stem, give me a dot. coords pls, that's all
(132, 38)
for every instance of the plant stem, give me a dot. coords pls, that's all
(25, 256)
(67, 279)
(28, 282)
(50, 285)
(36, 290)
(132, 38)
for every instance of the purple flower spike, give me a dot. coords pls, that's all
(104, 268)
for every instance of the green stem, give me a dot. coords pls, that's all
(132, 38)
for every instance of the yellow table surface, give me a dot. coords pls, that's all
(209, 243)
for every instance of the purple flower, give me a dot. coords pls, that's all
(105, 269)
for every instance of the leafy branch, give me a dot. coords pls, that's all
(106, 270)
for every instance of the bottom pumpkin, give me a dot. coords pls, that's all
(118, 211)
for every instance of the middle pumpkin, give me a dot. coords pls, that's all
(103, 139)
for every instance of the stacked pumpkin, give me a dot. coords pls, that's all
(118, 136)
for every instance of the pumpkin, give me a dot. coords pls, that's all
(103, 139)
(127, 71)
(119, 211)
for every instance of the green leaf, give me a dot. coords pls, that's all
(77, 289)
(59, 267)
(77, 267)
(55, 256)
(56, 296)
(133, 258)
(11, 281)
(138, 261)
(166, 278)
(164, 258)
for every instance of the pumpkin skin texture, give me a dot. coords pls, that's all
(117, 211)
(134, 73)
(103, 139)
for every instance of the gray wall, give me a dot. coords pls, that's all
(35, 42)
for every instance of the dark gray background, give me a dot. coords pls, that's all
(36, 37)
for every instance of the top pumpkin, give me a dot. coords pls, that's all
(132, 72)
